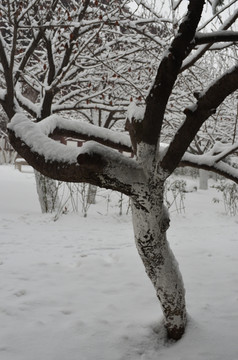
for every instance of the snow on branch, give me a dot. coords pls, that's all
(167, 74)
(191, 60)
(150, 9)
(35, 137)
(2, 94)
(135, 112)
(93, 162)
(210, 163)
(196, 115)
(218, 14)
(220, 151)
(216, 36)
(56, 125)
(27, 104)
(93, 105)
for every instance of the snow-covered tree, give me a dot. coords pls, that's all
(64, 56)
(71, 55)
(143, 177)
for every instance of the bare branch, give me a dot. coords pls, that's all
(197, 115)
(217, 14)
(176, 4)
(216, 36)
(167, 74)
(3, 57)
(190, 61)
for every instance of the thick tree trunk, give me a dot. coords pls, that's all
(47, 193)
(150, 220)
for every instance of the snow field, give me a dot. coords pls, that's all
(75, 289)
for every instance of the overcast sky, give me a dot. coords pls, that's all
(207, 13)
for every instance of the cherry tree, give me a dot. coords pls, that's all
(70, 56)
(61, 56)
(142, 178)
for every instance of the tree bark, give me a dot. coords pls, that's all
(203, 179)
(47, 193)
(92, 191)
(150, 221)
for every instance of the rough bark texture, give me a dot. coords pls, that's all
(47, 192)
(150, 221)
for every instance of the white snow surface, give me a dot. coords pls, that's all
(49, 124)
(135, 112)
(75, 289)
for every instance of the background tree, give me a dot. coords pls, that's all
(143, 178)
(65, 56)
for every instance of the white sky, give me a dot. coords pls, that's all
(162, 7)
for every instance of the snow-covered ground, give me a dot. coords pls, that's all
(75, 289)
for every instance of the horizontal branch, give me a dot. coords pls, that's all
(205, 163)
(56, 125)
(93, 163)
(97, 105)
(216, 36)
(220, 151)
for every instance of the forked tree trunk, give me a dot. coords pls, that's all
(150, 220)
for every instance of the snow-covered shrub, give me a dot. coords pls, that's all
(174, 195)
(76, 197)
(72, 195)
(229, 192)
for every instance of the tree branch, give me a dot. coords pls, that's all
(167, 74)
(92, 163)
(55, 125)
(202, 162)
(216, 36)
(190, 61)
(197, 115)
(8, 102)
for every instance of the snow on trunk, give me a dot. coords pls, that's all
(47, 193)
(92, 191)
(150, 221)
(203, 179)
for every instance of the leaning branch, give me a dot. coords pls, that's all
(196, 115)
(167, 74)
